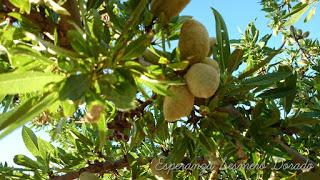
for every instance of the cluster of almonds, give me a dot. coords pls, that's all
(203, 76)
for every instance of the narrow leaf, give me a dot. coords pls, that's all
(30, 140)
(222, 39)
(154, 85)
(81, 137)
(277, 93)
(23, 160)
(290, 82)
(79, 42)
(267, 79)
(295, 17)
(74, 87)
(94, 3)
(179, 66)
(56, 49)
(234, 60)
(179, 150)
(102, 128)
(265, 61)
(45, 149)
(24, 113)
(305, 118)
(26, 82)
(100, 30)
(122, 92)
(310, 14)
(207, 142)
(136, 48)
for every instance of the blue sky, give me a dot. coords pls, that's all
(236, 13)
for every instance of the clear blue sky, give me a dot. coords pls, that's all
(237, 14)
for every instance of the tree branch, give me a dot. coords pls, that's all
(296, 156)
(64, 24)
(46, 25)
(304, 52)
(100, 168)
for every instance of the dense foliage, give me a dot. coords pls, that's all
(94, 73)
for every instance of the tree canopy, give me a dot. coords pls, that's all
(121, 99)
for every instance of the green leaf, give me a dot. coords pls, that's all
(151, 56)
(310, 14)
(25, 161)
(79, 42)
(154, 85)
(83, 139)
(24, 113)
(290, 82)
(94, 4)
(277, 93)
(23, 5)
(179, 66)
(31, 141)
(133, 65)
(305, 118)
(261, 64)
(26, 82)
(179, 149)
(122, 92)
(222, 39)
(26, 59)
(100, 122)
(137, 47)
(133, 21)
(235, 60)
(297, 15)
(46, 151)
(138, 134)
(267, 79)
(74, 87)
(23, 63)
(100, 31)
(163, 60)
(207, 142)
(132, 158)
(102, 128)
(69, 108)
(56, 49)
(116, 20)
(2, 97)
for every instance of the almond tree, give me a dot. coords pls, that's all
(121, 99)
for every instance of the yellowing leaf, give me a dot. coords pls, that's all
(310, 15)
